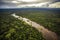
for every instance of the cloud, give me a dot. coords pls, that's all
(41, 5)
(27, 1)
(45, 4)
(55, 5)
(29, 4)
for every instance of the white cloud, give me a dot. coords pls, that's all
(30, 3)
(28, 0)
(55, 5)
(12, 2)
(43, 5)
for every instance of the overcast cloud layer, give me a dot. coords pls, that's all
(29, 4)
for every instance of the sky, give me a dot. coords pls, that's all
(29, 4)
